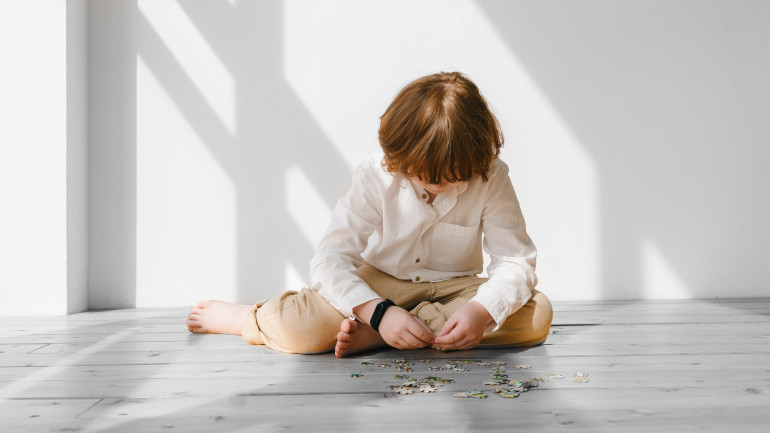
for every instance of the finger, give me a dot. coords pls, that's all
(394, 341)
(421, 331)
(400, 343)
(453, 337)
(447, 328)
(412, 341)
(460, 345)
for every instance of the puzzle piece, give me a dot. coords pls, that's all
(427, 388)
(471, 394)
(507, 392)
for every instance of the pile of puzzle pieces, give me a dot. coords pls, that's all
(498, 378)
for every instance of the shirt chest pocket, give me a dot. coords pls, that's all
(453, 245)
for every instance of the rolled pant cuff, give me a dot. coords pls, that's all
(250, 331)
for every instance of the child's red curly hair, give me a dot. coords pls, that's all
(439, 128)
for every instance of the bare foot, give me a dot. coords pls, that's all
(356, 337)
(218, 317)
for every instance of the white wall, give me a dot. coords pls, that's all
(42, 158)
(222, 133)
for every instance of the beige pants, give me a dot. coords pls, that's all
(304, 322)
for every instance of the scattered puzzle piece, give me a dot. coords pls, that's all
(507, 392)
(497, 378)
(471, 394)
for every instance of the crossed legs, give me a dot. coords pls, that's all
(304, 322)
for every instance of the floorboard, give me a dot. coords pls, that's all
(684, 365)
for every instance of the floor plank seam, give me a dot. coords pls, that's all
(41, 347)
(89, 408)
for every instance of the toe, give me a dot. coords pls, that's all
(338, 350)
(348, 326)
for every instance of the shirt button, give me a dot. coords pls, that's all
(417, 279)
(425, 196)
(418, 260)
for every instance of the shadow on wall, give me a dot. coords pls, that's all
(274, 132)
(669, 99)
(112, 142)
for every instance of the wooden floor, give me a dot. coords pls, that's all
(652, 366)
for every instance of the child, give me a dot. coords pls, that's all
(397, 265)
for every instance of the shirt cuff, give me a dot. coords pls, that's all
(356, 296)
(497, 306)
(493, 307)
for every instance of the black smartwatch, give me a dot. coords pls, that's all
(379, 311)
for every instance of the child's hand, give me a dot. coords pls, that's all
(465, 327)
(402, 330)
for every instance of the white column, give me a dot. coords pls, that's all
(43, 154)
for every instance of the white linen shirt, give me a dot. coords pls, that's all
(385, 220)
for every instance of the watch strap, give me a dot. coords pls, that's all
(379, 312)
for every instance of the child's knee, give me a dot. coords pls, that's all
(298, 323)
(298, 336)
(542, 317)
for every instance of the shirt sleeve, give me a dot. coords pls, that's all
(333, 268)
(512, 267)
